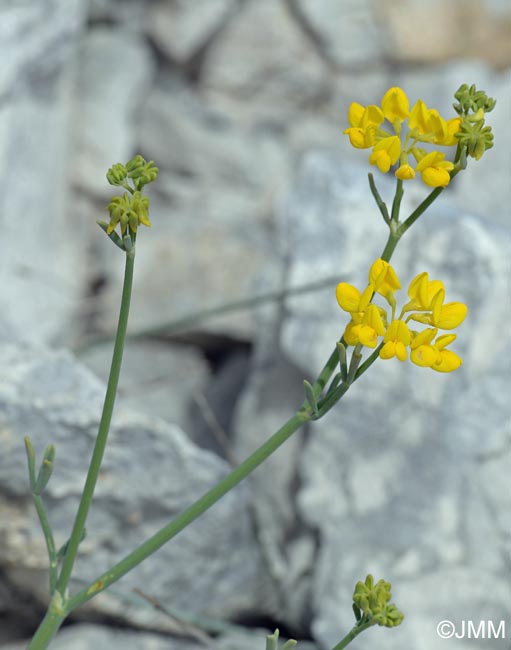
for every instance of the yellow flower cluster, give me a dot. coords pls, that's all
(425, 125)
(426, 306)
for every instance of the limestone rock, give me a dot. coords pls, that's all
(114, 73)
(37, 257)
(264, 59)
(181, 28)
(151, 472)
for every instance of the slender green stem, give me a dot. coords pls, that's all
(344, 643)
(379, 201)
(191, 513)
(390, 245)
(104, 426)
(48, 536)
(396, 204)
(47, 629)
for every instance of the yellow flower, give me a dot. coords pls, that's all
(405, 172)
(350, 299)
(447, 361)
(386, 152)
(421, 291)
(396, 339)
(395, 105)
(453, 126)
(419, 118)
(434, 355)
(435, 170)
(383, 278)
(365, 328)
(364, 123)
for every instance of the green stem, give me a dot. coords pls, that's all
(47, 629)
(379, 201)
(396, 204)
(352, 634)
(191, 513)
(48, 536)
(104, 426)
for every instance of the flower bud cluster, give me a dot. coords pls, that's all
(373, 601)
(132, 208)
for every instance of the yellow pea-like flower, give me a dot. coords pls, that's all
(405, 172)
(350, 299)
(421, 292)
(369, 329)
(446, 361)
(395, 105)
(397, 338)
(383, 278)
(364, 122)
(386, 153)
(434, 170)
(422, 353)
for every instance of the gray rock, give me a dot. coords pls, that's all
(210, 210)
(395, 478)
(91, 637)
(150, 473)
(264, 61)
(181, 29)
(115, 70)
(157, 378)
(348, 31)
(38, 258)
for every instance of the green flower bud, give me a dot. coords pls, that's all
(373, 601)
(116, 175)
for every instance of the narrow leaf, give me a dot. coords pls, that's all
(31, 462)
(311, 398)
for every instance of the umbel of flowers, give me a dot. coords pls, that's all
(396, 133)
(426, 306)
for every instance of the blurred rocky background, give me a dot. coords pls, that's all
(242, 103)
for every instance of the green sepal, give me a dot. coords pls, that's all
(289, 644)
(357, 612)
(311, 398)
(127, 243)
(272, 641)
(31, 462)
(63, 549)
(342, 360)
(45, 470)
(113, 235)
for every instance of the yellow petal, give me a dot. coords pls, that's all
(436, 177)
(395, 104)
(405, 172)
(423, 338)
(424, 356)
(388, 350)
(348, 297)
(451, 315)
(355, 113)
(419, 117)
(447, 362)
(367, 336)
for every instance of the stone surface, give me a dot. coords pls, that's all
(114, 74)
(181, 29)
(92, 637)
(264, 62)
(37, 260)
(395, 479)
(157, 378)
(211, 214)
(347, 31)
(150, 473)
(483, 30)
